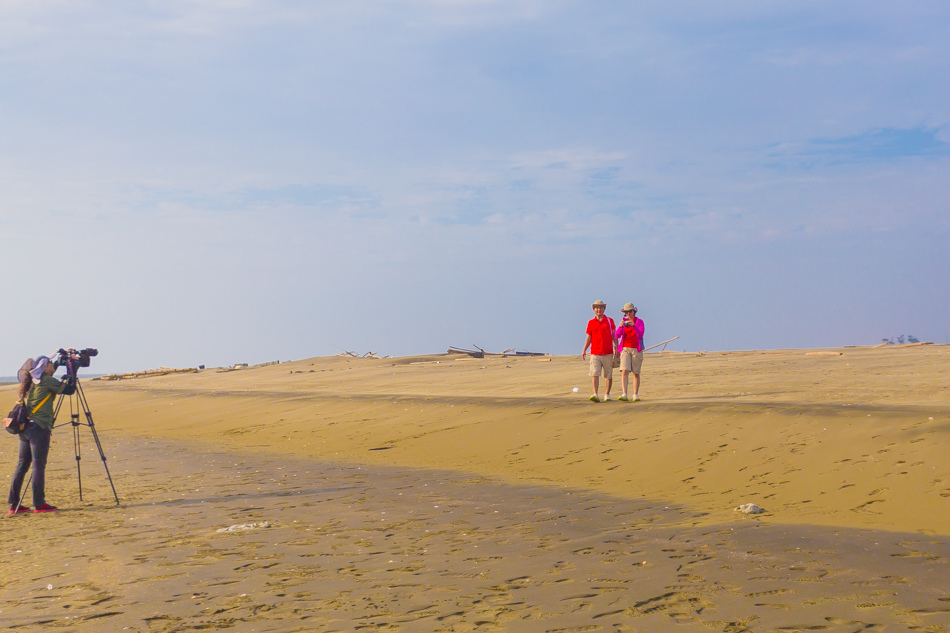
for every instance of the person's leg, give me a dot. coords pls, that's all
(595, 371)
(624, 380)
(39, 441)
(25, 459)
(610, 382)
(637, 364)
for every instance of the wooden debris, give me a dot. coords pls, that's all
(161, 371)
(478, 352)
(896, 345)
(663, 344)
(471, 352)
(822, 353)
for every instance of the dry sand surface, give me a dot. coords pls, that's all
(445, 494)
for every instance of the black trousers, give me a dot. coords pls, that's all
(34, 448)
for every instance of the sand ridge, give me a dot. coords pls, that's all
(855, 440)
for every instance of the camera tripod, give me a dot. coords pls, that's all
(77, 402)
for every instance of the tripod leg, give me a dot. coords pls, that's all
(74, 421)
(26, 487)
(95, 436)
(78, 457)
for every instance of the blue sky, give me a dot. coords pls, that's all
(211, 182)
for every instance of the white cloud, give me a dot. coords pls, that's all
(440, 145)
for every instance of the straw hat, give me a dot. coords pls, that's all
(598, 303)
(629, 307)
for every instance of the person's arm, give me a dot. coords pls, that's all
(586, 345)
(639, 328)
(54, 385)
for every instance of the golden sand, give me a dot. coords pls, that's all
(443, 493)
(857, 440)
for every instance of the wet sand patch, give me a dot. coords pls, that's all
(346, 547)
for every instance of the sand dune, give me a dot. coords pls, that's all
(852, 440)
(435, 494)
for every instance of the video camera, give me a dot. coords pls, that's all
(73, 359)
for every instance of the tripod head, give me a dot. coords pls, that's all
(73, 359)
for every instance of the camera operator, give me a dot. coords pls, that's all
(38, 389)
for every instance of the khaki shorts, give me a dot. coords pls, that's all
(602, 366)
(631, 360)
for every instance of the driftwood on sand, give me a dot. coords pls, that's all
(669, 340)
(161, 371)
(478, 352)
(471, 352)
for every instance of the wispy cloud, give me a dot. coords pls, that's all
(880, 145)
(439, 137)
(883, 144)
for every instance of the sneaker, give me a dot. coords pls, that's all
(607, 397)
(19, 510)
(46, 508)
(636, 398)
(594, 398)
(624, 398)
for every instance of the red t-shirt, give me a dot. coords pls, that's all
(601, 336)
(631, 334)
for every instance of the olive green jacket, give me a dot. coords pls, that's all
(47, 386)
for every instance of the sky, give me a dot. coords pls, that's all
(222, 181)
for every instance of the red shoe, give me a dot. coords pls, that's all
(19, 510)
(46, 508)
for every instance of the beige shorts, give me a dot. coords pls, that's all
(602, 366)
(631, 360)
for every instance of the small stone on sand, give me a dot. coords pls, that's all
(245, 526)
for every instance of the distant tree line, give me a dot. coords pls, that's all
(900, 340)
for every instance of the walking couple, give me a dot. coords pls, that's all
(614, 346)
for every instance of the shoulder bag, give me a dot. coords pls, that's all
(19, 417)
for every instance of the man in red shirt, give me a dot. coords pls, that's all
(600, 340)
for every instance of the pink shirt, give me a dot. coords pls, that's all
(630, 334)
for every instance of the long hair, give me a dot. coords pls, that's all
(26, 380)
(25, 387)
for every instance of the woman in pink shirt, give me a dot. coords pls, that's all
(630, 337)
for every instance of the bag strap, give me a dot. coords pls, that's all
(42, 402)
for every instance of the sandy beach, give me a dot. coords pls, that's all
(444, 493)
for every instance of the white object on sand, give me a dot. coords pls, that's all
(576, 389)
(750, 508)
(245, 526)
